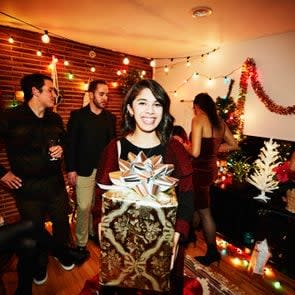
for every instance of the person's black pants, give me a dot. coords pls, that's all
(54, 208)
(17, 238)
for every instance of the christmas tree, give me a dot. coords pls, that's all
(264, 177)
(226, 108)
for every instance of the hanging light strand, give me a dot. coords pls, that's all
(197, 74)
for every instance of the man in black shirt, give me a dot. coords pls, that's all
(35, 175)
(90, 129)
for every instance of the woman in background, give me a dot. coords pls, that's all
(210, 135)
(147, 126)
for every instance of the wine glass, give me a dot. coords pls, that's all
(52, 142)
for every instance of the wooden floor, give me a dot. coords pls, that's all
(61, 282)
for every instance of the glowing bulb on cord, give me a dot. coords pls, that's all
(45, 38)
(210, 82)
(195, 76)
(152, 63)
(50, 67)
(85, 86)
(126, 60)
(115, 84)
(92, 69)
(277, 284)
(236, 261)
(66, 63)
(143, 73)
(166, 69)
(188, 62)
(70, 76)
(119, 73)
(175, 93)
(39, 52)
(10, 40)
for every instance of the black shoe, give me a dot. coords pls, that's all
(79, 254)
(209, 258)
(66, 261)
(40, 277)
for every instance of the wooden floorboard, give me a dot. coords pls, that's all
(62, 282)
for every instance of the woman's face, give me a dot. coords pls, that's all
(146, 110)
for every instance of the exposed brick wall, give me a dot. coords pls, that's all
(20, 58)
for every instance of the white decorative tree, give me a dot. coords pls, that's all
(264, 177)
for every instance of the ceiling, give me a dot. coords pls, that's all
(153, 28)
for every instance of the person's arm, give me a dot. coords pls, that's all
(7, 177)
(197, 131)
(230, 143)
(71, 147)
(183, 171)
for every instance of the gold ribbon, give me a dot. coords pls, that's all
(146, 176)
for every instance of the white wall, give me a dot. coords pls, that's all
(275, 62)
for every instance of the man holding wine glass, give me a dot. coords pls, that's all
(35, 176)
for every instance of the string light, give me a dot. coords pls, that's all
(45, 38)
(126, 60)
(119, 73)
(277, 284)
(66, 63)
(166, 69)
(85, 86)
(188, 63)
(153, 63)
(70, 76)
(10, 40)
(114, 84)
(39, 52)
(92, 69)
(50, 66)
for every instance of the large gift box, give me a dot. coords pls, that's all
(137, 226)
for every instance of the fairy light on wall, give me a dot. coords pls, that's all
(92, 69)
(153, 63)
(11, 40)
(126, 60)
(66, 63)
(45, 37)
(39, 53)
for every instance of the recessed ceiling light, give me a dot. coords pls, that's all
(201, 11)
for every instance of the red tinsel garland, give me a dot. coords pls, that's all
(249, 71)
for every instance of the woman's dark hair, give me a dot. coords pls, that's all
(205, 102)
(164, 129)
(179, 131)
(33, 80)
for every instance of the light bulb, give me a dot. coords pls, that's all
(195, 75)
(39, 52)
(166, 69)
(92, 69)
(10, 40)
(66, 63)
(45, 38)
(126, 61)
(143, 73)
(152, 63)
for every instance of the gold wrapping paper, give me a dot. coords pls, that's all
(136, 235)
